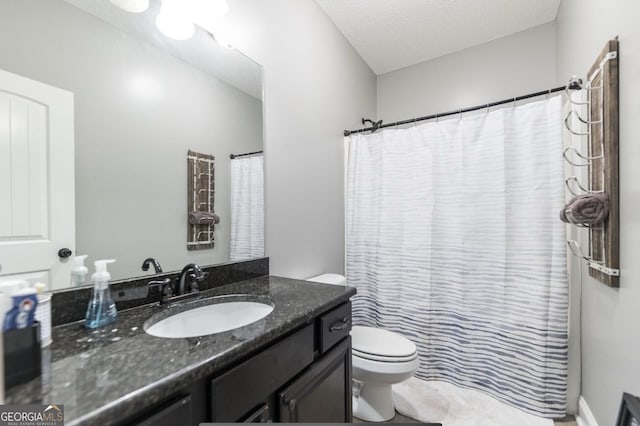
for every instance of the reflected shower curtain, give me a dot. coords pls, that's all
(247, 208)
(453, 239)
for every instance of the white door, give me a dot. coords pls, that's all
(37, 203)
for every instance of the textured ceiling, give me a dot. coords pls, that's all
(393, 34)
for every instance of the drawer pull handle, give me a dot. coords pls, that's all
(340, 324)
(292, 406)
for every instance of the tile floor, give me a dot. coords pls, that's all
(567, 421)
(399, 418)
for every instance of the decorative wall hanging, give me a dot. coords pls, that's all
(200, 204)
(599, 199)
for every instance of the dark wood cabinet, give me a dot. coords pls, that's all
(333, 326)
(240, 390)
(259, 415)
(173, 413)
(304, 377)
(323, 392)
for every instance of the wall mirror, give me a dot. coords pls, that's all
(141, 102)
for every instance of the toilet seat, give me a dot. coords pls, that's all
(369, 370)
(381, 358)
(381, 345)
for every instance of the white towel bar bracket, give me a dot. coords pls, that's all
(604, 269)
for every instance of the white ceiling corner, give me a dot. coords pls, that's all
(393, 34)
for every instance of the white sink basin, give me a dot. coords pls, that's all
(209, 319)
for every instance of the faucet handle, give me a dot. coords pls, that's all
(194, 280)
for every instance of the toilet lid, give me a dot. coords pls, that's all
(381, 343)
(370, 357)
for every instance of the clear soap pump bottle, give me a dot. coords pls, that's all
(102, 309)
(79, 271)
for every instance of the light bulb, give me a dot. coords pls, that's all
(174, 21)
(133, 6)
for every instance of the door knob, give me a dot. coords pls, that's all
(63, 253)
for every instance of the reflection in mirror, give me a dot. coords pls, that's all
(139, 102)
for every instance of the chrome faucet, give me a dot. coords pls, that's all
(189, 279)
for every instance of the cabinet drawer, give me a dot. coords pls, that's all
(334, 326)
(238, 391)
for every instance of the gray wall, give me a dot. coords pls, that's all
(503, 68)
(316, 85)
(610, 317)
(137, 112)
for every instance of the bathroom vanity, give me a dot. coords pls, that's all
(137, 106)
(294, 365)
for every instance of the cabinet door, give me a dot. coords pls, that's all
(174, 413)
(240, 390)
(259, 415)
(322, 394)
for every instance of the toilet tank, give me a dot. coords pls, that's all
(335, 279)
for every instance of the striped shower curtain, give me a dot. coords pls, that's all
(453, 239)
(247, 208)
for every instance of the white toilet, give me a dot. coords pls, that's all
(380, 359)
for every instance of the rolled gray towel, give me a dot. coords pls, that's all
(203, 218)
(590, 209)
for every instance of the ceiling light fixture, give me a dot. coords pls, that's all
(222, 41)
(174, 20)
(133, 6)
(215, 8)
(208, 13)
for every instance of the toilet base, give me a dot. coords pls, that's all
(375, 403)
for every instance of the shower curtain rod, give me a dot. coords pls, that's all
(573, 85)
(232, 156)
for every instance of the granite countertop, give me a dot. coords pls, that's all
(109, 374)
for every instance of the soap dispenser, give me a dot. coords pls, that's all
(102, 309)
(79, 271)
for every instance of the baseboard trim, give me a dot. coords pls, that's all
(585, 416)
